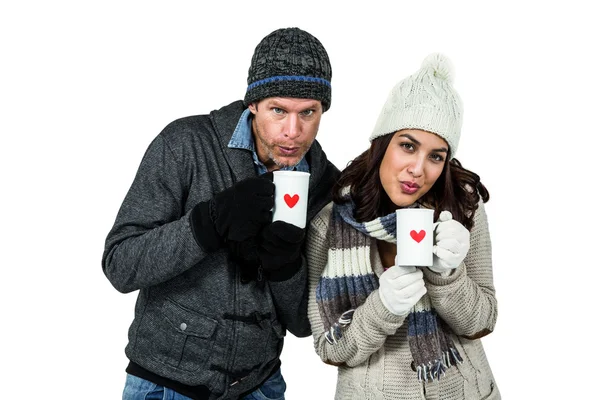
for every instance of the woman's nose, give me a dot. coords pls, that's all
(416, 168)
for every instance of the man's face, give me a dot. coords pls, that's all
(284, 128)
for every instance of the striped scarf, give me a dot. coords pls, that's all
(348, 279)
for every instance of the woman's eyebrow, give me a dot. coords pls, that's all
(408, 136)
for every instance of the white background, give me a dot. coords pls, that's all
(85, 86)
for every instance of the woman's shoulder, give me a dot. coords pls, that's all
(320, 223)
(480, 217)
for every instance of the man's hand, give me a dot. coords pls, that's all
(279, 249)
(235, 214)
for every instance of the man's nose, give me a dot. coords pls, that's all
(292, 126)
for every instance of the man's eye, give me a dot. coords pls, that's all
(277, 110)
(307, 113)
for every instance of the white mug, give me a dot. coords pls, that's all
(414, 235)
(291, 197)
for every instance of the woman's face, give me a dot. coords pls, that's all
(412, 163)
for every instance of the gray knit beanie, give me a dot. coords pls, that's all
(290, 62)
(425, 100)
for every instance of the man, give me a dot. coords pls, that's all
(218, 282)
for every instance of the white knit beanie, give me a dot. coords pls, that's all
(425, 100)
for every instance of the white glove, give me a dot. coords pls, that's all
(400, 288)
(451, 244)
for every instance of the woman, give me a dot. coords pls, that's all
(406, 332)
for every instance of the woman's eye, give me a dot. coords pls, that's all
(437, 157)
(407, 146)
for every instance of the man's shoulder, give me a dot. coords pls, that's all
(320, 166)
(227, 117)
(185, 128)
(203, 126)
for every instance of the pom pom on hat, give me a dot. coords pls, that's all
(440, 66)
(425, 100)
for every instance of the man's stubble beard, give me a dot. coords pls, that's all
(270, 154)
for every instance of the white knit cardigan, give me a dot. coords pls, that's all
(373, 356)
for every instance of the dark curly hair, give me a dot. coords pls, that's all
(457, 190)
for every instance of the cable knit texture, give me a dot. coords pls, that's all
(425, 100)
(373, 355)
(348, 279)
(290, 62)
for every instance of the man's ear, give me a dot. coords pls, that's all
(253, 107)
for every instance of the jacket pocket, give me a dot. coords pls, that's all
(182, 338)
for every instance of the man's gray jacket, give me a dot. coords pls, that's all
(195, 322)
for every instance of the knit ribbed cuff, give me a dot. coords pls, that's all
(440, 280)
(203, 227)
(379, 312)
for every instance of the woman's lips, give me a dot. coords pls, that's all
(409, 187)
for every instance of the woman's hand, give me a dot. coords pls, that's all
(400, 288)
(451, 244)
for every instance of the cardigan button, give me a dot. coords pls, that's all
(183, 326)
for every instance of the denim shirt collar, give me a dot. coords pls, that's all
(242, 139)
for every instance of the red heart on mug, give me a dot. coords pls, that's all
(291, 201)
(417, 237)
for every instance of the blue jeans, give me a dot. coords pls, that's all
(141, 389)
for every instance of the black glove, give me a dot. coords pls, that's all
(245, 254)
(279, 249)
(235, 214)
